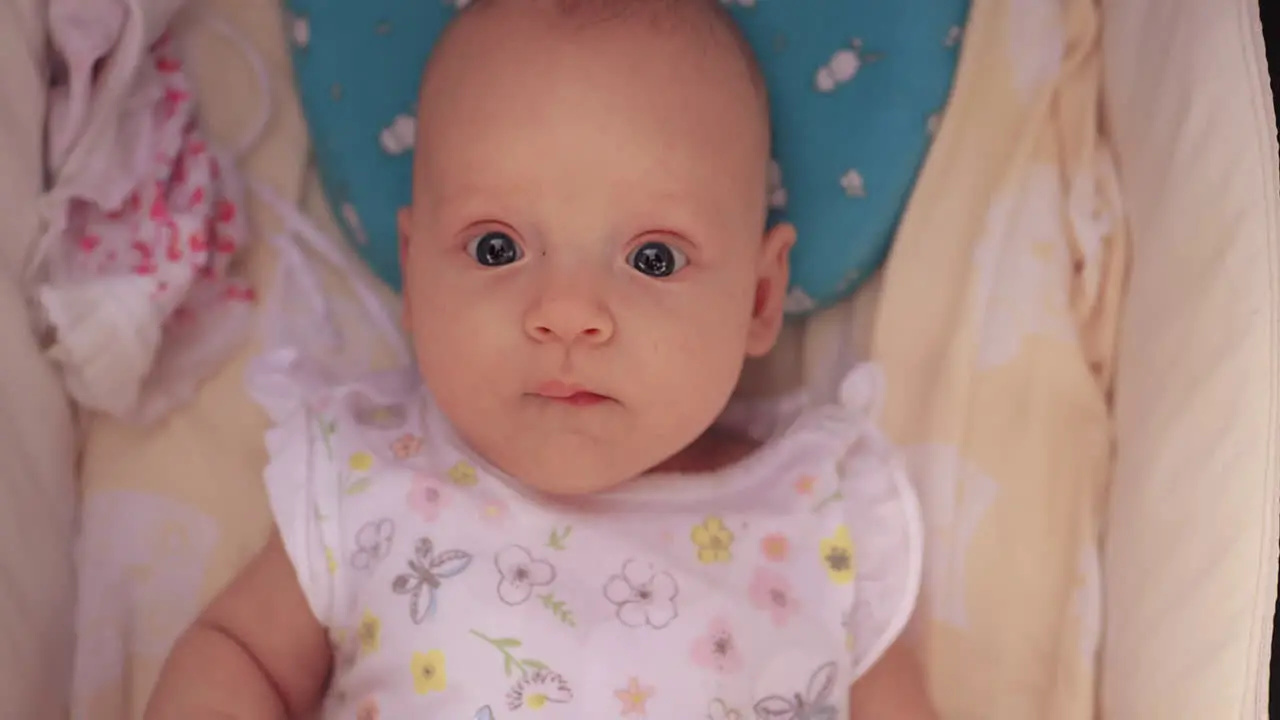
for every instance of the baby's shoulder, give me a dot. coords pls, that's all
(369, 408)
(356, 428)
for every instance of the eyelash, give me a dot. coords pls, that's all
(679, 258)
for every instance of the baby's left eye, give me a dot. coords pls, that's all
(494, 249)
(657, 259)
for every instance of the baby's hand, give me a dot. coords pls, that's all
(256, 651)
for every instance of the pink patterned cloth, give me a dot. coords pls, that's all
(137, 274)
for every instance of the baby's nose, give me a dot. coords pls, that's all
(569, 320)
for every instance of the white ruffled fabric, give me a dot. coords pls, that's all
(134, 278)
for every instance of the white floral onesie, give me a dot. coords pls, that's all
(451, 592)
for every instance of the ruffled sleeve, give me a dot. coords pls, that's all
(301, 480)
(882, 512)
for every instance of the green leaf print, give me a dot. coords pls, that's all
(357, 487)
(833, 497)
(327, 429)
(558, 537)
(510, 662)
(558, 608)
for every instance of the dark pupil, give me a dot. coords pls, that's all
(496, 249)
(655, 259)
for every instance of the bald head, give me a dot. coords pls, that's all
(705, 21)
(571, 71)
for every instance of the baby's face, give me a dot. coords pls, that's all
(586, 265)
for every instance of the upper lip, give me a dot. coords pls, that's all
(559, 389)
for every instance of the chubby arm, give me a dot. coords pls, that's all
(893, 689)
(256, 651)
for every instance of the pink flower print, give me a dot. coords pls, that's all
(771, 592)
(634, 698)
(717, 649)
(406, 446)
(775, 547)
(167, 64)
(197, 242)
(224, 211)
(427, 497)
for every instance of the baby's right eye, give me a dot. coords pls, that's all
(494, 249)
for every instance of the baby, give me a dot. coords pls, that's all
(556, 524)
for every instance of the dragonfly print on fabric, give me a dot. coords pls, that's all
(427, 570)
(814, 704)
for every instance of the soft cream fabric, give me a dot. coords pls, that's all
(995, 322)
(182, 504)
(1192, 526)
(37, 437)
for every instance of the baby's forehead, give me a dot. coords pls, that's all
(516, 94)
(704, 23)
(662, 14)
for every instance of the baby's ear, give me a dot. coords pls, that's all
(404, 222)
(773, 273)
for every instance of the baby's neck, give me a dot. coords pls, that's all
(715, 449)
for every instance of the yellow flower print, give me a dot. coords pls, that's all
(713, 540)
(463, 475)
(428, 672)
(360, 462)
(330, 561)
(837, 556)
(369, 632)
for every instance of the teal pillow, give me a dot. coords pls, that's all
(857, 86)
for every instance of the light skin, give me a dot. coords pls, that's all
(586, 270)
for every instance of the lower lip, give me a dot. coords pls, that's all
(582, 399)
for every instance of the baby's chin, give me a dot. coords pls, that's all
(582, 475)
(574, 468)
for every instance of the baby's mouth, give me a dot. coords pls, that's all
(569, 394)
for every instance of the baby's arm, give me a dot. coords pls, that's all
(256, 652)
(893, 689)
